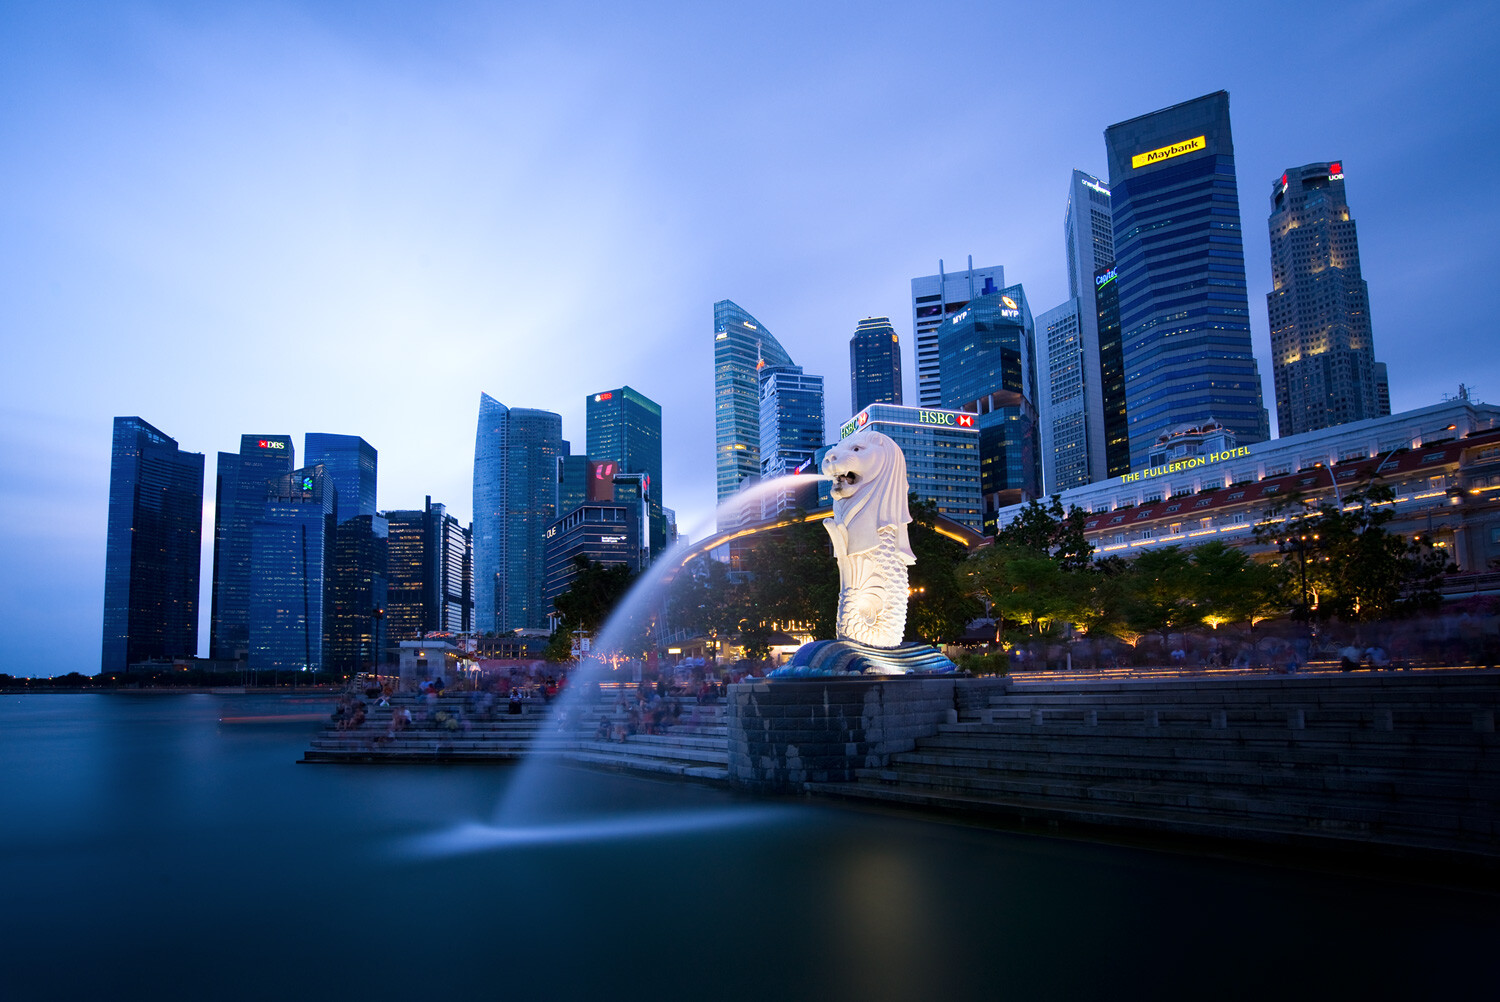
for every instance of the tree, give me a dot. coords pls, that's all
(1037, 571)
(942, 603)
(1342, 561)
(1160, 591)
(1229, 587)
(1045, 530)
(592, 597)
(793, 579)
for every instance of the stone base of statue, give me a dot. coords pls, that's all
(832, 658)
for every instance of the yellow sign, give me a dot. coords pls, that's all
(1167, 152)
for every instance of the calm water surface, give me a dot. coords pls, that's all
(149, 850)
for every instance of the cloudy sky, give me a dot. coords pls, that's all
(354, 217)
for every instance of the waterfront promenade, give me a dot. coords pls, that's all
(1405, 764)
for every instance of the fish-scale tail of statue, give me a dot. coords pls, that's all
(872, 606)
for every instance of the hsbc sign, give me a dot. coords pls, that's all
(918, 417)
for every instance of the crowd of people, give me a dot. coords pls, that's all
(651, 706)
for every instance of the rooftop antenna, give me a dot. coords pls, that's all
(971, 278)
(942, 287)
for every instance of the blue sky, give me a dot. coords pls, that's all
(355, 217)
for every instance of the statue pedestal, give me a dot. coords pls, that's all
(832, 658)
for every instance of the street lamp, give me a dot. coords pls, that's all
(376, 615)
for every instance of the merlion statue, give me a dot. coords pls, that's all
(868, 528)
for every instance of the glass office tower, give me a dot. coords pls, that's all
(152, 546)
(988, 368)
(1184, 313)
(352, 463)
(791, 430)
(934, 299)
(239, 500)
(291, 553)
(430, 574)
(741, 346)
(874, 364)
(942, 455)
(357, 584)
(516, 453)
(1322, 350)
(624, 427)
(1066, 388)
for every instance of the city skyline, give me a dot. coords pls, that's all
(218, 247)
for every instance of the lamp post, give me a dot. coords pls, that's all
(376, 615)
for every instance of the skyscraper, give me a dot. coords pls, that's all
(1322, 352)
(624, 427)
(1064, 382)
(791, 430)
(935, 298)
(874, 364)
(152, 547)
(1081, 385)
(239, 500)
(352, 463)
(942, 455)
(988, 368)
(741, 345)
(357, 572)
(431, 574)
(291, 552)
(1184, 313)
(516, 452)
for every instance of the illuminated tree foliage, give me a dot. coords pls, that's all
(1342, 562)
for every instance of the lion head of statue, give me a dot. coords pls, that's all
(869, 491)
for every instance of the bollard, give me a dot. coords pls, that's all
(1036, 717)
(1091, 718)
(1153, 718)
(1297, 720)
(987, 716)
(1484, 721)
(1385, 720)
(1219, 720)
(952, 716)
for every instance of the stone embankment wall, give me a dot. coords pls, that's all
(789, 732)
(1400, 761)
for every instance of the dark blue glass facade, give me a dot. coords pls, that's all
(353, 464)
(624, 426)
(357, 577)
(874, 364)
(291, 555)
(357, 587)
(1184, 313)
(152, 547)
(516, 454)
(741, 343)
(987, 366)
(239, 500)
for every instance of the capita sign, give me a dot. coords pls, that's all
(1190, 463)
(919, 417)
(1168, 152)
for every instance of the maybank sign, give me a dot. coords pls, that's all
(1191, 463)
(910, 416)
(1168, 152)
